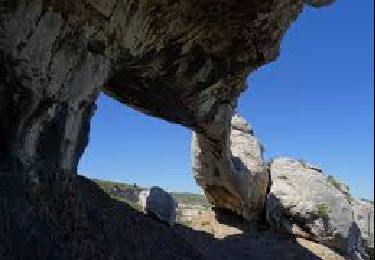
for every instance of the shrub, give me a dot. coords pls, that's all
(323, 211)
(186, 223)
(335, 183)
(349, 199)
(190, 198)
(303, 162)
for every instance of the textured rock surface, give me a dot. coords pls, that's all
(187, 212)
(304, 202)
(237, 181)
(208, 222)
(170, 59)
(257, 245)
(364, 217)
(319, 250)
(159, 203)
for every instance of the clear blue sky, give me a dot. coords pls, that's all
(315, 102)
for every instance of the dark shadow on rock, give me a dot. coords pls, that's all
(161, 206)
(85, 223)
(256, 245)
(356, 244)
(230, 218)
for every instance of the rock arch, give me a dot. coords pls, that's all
(183, 61)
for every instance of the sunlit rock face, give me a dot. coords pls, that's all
(183, 61)
(304, 202)
(237, 181)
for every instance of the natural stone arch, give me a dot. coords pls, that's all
(184, 61)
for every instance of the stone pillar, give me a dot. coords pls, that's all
(231, 170)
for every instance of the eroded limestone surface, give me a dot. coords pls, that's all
(304, 202)
(237, 181)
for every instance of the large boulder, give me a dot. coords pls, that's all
(364, 217)
(305, 202)
(159, 203)
(239, 179)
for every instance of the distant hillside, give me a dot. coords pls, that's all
(109, 187)
(181, 197)
(191, 198)
(367, 200)
(106, 185)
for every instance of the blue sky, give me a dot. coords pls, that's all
(315, 102)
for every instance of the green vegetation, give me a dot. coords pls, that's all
(323, 211)
(190, 198)
(334, 182)
(132, 204)
(186, 223)
(180, 197)
(303, 162)
(107, 186)
(349, 198)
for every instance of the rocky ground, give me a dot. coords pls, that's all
(218, 234)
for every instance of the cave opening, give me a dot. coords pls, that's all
(127, 146)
